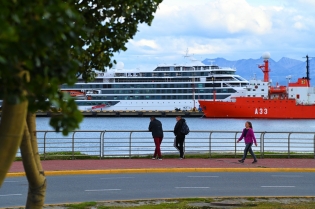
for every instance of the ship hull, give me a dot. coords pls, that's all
(244, 107)
(140, 105)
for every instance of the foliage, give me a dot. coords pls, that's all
(53, 42)
(110, 24)
(35, 39)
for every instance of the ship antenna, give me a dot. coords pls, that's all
(308, 69)
(186, 54)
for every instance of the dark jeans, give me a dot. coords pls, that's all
(157, 142)
(179, 145)
(248, 148)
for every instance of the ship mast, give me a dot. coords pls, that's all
(265, 67)
(307, 70)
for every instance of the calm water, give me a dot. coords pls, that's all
(140, 123)
(118, 143)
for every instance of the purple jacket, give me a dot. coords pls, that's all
(249, 138)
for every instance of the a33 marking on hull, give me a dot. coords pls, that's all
(261, 111)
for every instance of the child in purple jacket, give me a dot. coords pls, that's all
(249, 136)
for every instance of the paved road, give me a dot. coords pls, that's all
(78, 188)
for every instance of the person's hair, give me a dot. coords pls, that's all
(250, 124)
(152, 117)
(178, 116)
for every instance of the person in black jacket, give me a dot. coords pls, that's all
(157, 133)
(180, 137)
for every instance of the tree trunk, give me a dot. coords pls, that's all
(32, 166)
(11, 133)
(31, 123)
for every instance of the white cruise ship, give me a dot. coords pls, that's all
(167, 87)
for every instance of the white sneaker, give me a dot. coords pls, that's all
(159, 158)
(181, 158)
(153, 158)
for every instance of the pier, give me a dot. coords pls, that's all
(129, 113)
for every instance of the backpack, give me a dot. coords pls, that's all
(184, 129)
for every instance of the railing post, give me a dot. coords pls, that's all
(289, 145)
(73, 145)
(45, 145)
(210, 135)
(103, 143)
(101, 134)
(130, 144)
(262, 145)
(235, 144)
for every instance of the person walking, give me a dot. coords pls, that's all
(179, 136)
(156, 128)
(249, 136)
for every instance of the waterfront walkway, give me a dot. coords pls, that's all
(106, 166)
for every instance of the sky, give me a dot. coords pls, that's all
(230, 29)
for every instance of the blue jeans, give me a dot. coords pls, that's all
(248, 148)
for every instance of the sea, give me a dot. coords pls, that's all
(208, 124)
(277, 136)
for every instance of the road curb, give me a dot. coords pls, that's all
(165, 170)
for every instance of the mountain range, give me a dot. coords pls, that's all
(248, 68)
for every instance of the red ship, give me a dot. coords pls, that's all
(261, 100)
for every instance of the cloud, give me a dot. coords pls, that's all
(233, 29)
(145, 45)
(310, 2)
(224, 16)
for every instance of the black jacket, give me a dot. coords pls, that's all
(156, 128)
(178, 127)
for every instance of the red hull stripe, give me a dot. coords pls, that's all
(257, 108)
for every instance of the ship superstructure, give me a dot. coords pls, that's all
(261, 100)
(167, 87)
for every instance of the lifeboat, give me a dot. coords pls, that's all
(74, 93)
(278, 90)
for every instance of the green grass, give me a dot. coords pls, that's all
(203, 203)
(83, 205)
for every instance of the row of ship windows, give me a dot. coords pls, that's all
(255, 89)
(167, 91)
(186, 68)
(153, 86)
(156, 97)
(173, 74)
(109, 86)
(162, 79)
(167, 79)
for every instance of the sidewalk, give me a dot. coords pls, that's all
(66, 167)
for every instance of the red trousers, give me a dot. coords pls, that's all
(157, 141)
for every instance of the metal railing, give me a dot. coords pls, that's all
(132, 143)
